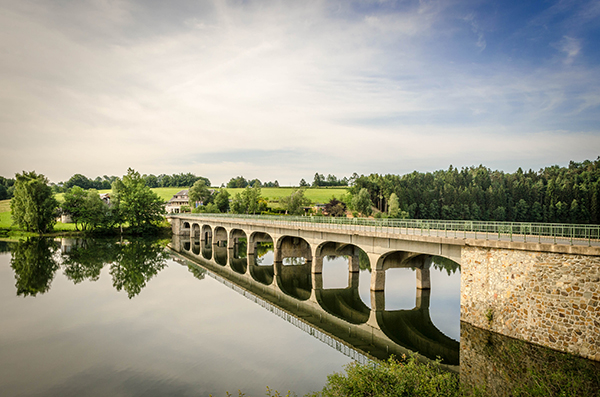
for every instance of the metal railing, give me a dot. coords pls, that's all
(552, 233)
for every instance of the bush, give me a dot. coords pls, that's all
(392, 378)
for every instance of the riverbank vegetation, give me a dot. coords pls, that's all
(34, 209)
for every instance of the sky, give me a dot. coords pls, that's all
(280, 90)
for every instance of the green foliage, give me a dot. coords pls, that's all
(135, 203)
(294, 203)
(330, 180)
(207, 209)
(553, 194)
(7, 188)
(222, 200)
(33, 206)
(199, 193)
(392, 378)
(248, 201)
(362, 202)
(34, 265)
(238, 182)
(86, 208)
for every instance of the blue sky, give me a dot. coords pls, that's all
(281, 90)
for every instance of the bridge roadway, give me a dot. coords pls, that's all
(500, 279)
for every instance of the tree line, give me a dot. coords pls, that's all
(105, 182)
(553, 194)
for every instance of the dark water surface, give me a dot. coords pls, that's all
(123, 318)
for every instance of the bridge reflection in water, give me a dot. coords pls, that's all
(280, 279)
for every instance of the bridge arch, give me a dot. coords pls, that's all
(206, 233)
(261, 257)
(195, 230)
(185, 228)
(293, 278)
(238, 251)
(220, 236)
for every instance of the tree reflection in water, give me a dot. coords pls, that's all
(34, 265)
(132, 263)
(136, 263)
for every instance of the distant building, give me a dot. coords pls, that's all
(105, 197)
(173, 206)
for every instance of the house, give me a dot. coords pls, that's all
(180, 198)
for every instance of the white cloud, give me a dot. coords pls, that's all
(570, 46)
(333, 90)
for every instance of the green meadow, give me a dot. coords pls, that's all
(316, 195)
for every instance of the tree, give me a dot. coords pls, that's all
(394, 206)
(335, 208)
(239, 182)
(135, 203)
(295, 202)
(222, 200)
(247, 202)
(318, 180)
(33, 206)
(3, 192)
(86, 208)
(362, 202)
(303, 183)
(199, 193)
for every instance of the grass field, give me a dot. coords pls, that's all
(316, 195)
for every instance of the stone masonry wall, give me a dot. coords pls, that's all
(548, 299)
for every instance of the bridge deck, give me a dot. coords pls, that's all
(573, 239)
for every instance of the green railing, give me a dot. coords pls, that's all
(505, 231)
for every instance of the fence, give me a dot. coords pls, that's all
(503, 231)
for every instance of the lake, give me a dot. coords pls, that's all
(134, 317)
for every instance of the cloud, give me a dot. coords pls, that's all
(274, 91)
(570, 46)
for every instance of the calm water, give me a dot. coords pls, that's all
(125, 318)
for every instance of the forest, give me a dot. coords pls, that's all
(553, 194)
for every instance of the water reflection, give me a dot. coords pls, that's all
(344, 303)
(132, 263)
(34, 265)
(261, 262)
(238, 258)
(338, 307)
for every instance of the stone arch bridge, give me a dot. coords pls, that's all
(533, 287)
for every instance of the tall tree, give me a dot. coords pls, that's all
(199, 193)
(136, 203)
(394, 206)
(222, 200)
(362, 202)
(33, 206)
